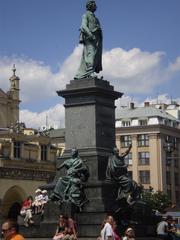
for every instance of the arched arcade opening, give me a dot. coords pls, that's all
(12, 201)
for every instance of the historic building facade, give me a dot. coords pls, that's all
(27, 157)
(26, 162)
(154, 159)
(154, 132)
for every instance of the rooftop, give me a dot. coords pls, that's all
(142, 112)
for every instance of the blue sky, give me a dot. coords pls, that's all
(141, 48)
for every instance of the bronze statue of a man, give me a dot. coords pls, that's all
(91, 38)
(70, 188)
(117, 172)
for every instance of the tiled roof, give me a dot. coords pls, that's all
(142, 112)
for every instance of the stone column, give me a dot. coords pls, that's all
(135, 174)
(12, 150)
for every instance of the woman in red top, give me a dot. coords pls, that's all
(26, 211)
(116, 236)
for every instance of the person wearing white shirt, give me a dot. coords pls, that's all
(163, 228)
(37, 201)
(107, 231)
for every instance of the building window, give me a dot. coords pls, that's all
(17, 150)
(177, 196)
(43, 152)
(176, 162)
(166, 122)
(168, 159)
(126, 123)
(143, 122)
(169, 193)
(168, 178)
(144, 158)
(176, 178)
(126, 141)
(143, 140)
(128, 159)
(5, 152)
(130, 174)
(144, 177)
(176, 140)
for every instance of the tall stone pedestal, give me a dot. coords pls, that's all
(90, 127)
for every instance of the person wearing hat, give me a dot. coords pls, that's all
(45, 197)
(27, 212)
(37, 201)
(129, 234)
(44, 200)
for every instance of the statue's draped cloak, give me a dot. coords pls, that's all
(91, 60)
(70, 187)
(117, 172)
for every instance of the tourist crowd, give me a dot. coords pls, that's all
(167, 229)
(109, 231)
(67, 228)
(32, 207)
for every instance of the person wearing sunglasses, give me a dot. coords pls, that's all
(9, 230)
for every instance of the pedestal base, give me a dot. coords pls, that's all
(102, 201)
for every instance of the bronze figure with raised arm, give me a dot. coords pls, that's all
(117, 172)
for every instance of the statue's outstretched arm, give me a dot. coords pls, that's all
(123, 155)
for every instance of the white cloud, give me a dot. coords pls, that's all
(53, 117)
(132, 72)
(127, 64)
(33, 78)
(162, 98)
(37, 81)
(174, 67)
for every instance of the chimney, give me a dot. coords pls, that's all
(131, 105)
(146, 104)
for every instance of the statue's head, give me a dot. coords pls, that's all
(115, 151)
(91, 5)
(74, 152)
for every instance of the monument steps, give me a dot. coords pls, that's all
(142, 238)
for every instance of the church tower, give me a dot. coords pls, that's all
(14, 97)
(9, 102)
(14, 85)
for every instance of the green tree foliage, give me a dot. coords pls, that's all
(157, 200)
